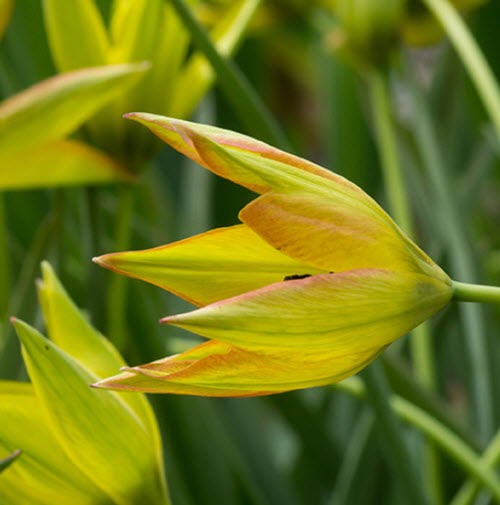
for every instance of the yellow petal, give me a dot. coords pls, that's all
(98, 432)
(218, 369)
(59, 163)
(209, 267)
(242, 159)
(348, 312)
(330, 233)
(73, 334)
(43, 464)
(47, 111)
(76, 34)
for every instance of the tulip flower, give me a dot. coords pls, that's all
(310, 289)
(60, 442)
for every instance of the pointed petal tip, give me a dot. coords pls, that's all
(131, 115)
(99, 384)
(103, 261)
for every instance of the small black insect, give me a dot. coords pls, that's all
(295, 277)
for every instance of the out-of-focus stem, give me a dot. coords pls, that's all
(246, 102)
(117, 289)
(473, 59)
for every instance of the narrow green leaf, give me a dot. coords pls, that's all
(43, 463)
(59, 163)
(98, 433)
(76, 33)
(55, 107)
(246, 102)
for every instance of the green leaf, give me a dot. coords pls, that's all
(76, 34)
(6, 462)
(101, 436)
(47, 111)
(59, 163)
(43, 463)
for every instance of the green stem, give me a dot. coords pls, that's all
(464, 292)
(397, 452)
(95, 276)
(472, 57)
(349, 469)
(490, 459)
(117, 289)
(453, 445)
(239, 92)
(462, 262)
(420, 341)
(5, 270)
(393, 176)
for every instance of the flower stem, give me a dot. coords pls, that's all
(464, 292)
(472, 57)
(239, 92)
(490, 458)
(477, 467)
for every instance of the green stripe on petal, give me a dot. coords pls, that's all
(209, 267)
(343, 313)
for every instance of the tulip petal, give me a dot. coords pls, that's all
(98, 432)
(348, 312)
(47, 110)
(76, 34)
(73, 334)
(43, 464)
(244, 160)
(209, 267)
(59, 163)
(331, 234)
(218, 369)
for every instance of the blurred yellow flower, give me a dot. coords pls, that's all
(78, 447)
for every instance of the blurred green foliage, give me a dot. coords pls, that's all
(317, 446)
